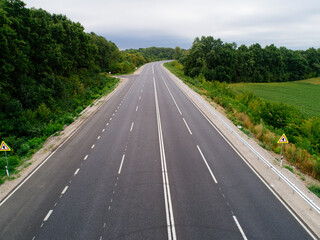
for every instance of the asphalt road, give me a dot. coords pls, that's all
(147, 165)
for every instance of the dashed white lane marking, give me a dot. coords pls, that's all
(137, 108)
(204, 159)
(139, 97)
(100, 237)
(131, 126)
(240, 228)
(33, 237)
(113, 114)
(107, 124)
(187, 126)
(76, 172)
(104, 225)
(47, 216)
(85, 158)
(41, 225)
(93, 146)
(55, 204)
(98, 137)
(65, 189)
(103, 130)
(110, 119)
(123, 156)
(141, 90)
(172, 96)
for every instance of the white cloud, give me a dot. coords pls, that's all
(291, 23)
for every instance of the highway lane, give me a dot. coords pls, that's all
(242, 195)
(257, 211)
(147, 165)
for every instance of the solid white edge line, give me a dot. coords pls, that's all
(65, 189)
(131, 126)
(48, 215)
(123, 156)
(172, 96)
(76, 172)
(248, 164)
(187, 126)
(240, 228)
(204, 159)
(166, 186)
(48, 157)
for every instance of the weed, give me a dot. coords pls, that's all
(289, 168)
(315, 189)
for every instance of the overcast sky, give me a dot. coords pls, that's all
(294, 24)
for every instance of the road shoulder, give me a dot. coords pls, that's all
(54, 142)
(302, 209)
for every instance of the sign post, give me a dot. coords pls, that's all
(4, 148)
(283, 139)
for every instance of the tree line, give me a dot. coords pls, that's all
(50, 71)
(220, 61)
(266, 120)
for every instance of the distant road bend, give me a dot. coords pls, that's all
(147, 165)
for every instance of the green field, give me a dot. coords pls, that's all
(304, 94)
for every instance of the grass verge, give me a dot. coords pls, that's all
(23, 148)
(264, 120)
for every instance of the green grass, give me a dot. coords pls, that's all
(288, 167)
(304, 94)
(315, 189)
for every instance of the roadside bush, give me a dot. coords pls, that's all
(266, 120)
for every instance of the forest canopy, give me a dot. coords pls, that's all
(221, 61)
(50, 70)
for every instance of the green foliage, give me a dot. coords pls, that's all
(288, 167)
(225, 62)
(315, 189)
(303, 95)
(154, 53)
(49, 70)
(267, 120)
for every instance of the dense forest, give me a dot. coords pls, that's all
(220, 61)
(154, 53)
(50, 71)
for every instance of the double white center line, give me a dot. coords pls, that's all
(165, 179)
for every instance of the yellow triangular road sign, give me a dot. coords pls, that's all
(4, 147)
(283, 139)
